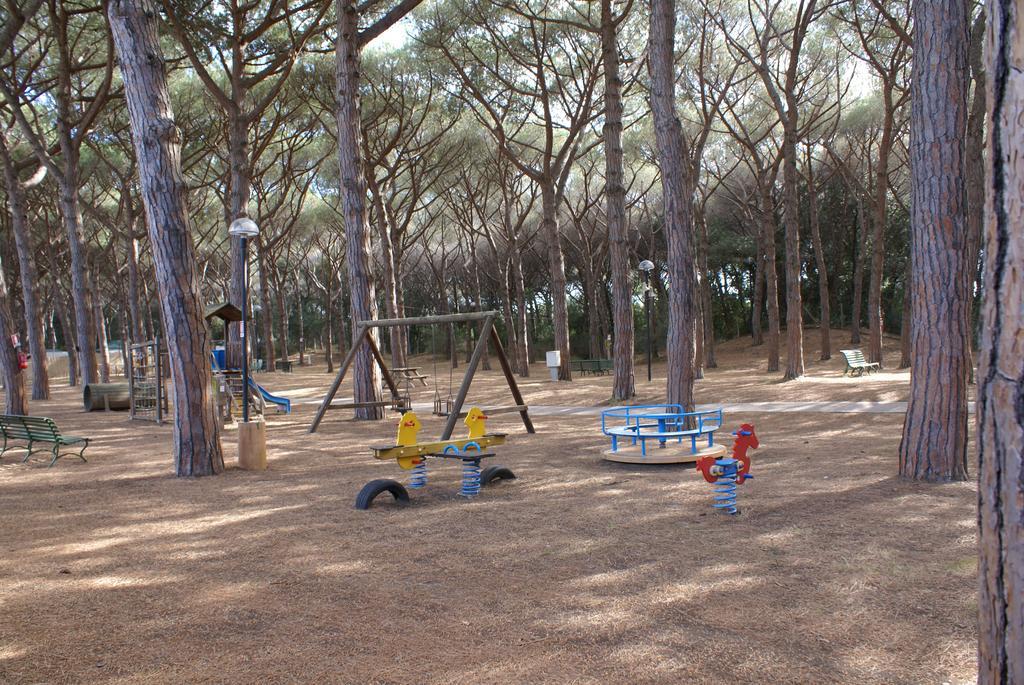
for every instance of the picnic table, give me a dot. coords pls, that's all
(409, 373)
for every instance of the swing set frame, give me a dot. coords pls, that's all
(487, 333)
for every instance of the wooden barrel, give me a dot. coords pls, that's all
(97, 396)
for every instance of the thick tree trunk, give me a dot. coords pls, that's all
(29, 275)
(934, 445)
(81, 289)
(1001, 362)
(791, 218)
(975, 172)
(677, 194)
(556, 269)
(366, 377)
(615, 211)
(15, 399)
(878, 232)
(824, 326)
(197, 449)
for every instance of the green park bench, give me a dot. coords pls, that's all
(594, 366)
(855, 361)
(36, 429)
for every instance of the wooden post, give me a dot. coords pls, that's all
(460, 399)
(506, 369)
(362, 332)
(383, 368)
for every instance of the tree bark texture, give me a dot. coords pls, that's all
(878, 230)
(860, 244)
(934, 445)
(197, 449)
(677, 194)
(791, 219)
(615, 211)
(15, 399)
(771, 276)
(824, 327)
(363, 302)
(29, 275)
(556, 268)
(1001, 360)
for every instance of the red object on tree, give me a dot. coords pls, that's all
(22, 360)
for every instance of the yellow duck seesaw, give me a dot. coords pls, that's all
(412, 455)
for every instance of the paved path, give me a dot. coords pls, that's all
(736, 407)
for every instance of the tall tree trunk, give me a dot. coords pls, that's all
(67, 328)
(615, 211)
(282, 315)
(266, 304)
(135, 315)
(29, 275)
(824, 326)
(556, 268)
(934, 445)
(299, 300)
(523, 333)
(365, 375)
(791, 218)
(81, 289)
(707, 315)
(878, 232)
(677, 194)
(15, 398)
(757, 299)
(860, 247)
(102, 343)
(238, 206)
(390, 276)
(771, 277)
(975, 171)
(197, 449)
(1001, 363)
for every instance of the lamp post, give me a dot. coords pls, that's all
(646, 267)
(244, 228)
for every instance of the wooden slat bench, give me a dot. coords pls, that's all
(855, 361)
(594, 366)
(37, 429)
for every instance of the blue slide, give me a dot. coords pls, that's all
(283, 402)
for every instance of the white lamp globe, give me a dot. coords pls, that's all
(243, 227)
(646, 265)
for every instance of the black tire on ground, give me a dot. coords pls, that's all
(376, 487)
(496, 473)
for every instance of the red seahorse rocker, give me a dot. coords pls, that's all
(729, 472)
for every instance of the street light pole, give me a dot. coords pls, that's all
(646, 267)
(245, 228)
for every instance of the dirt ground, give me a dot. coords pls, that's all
(579, 571)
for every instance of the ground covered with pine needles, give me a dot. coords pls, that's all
(579, 571)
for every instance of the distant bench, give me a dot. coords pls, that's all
(594, 366)
(33, 429)
(855, 361)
